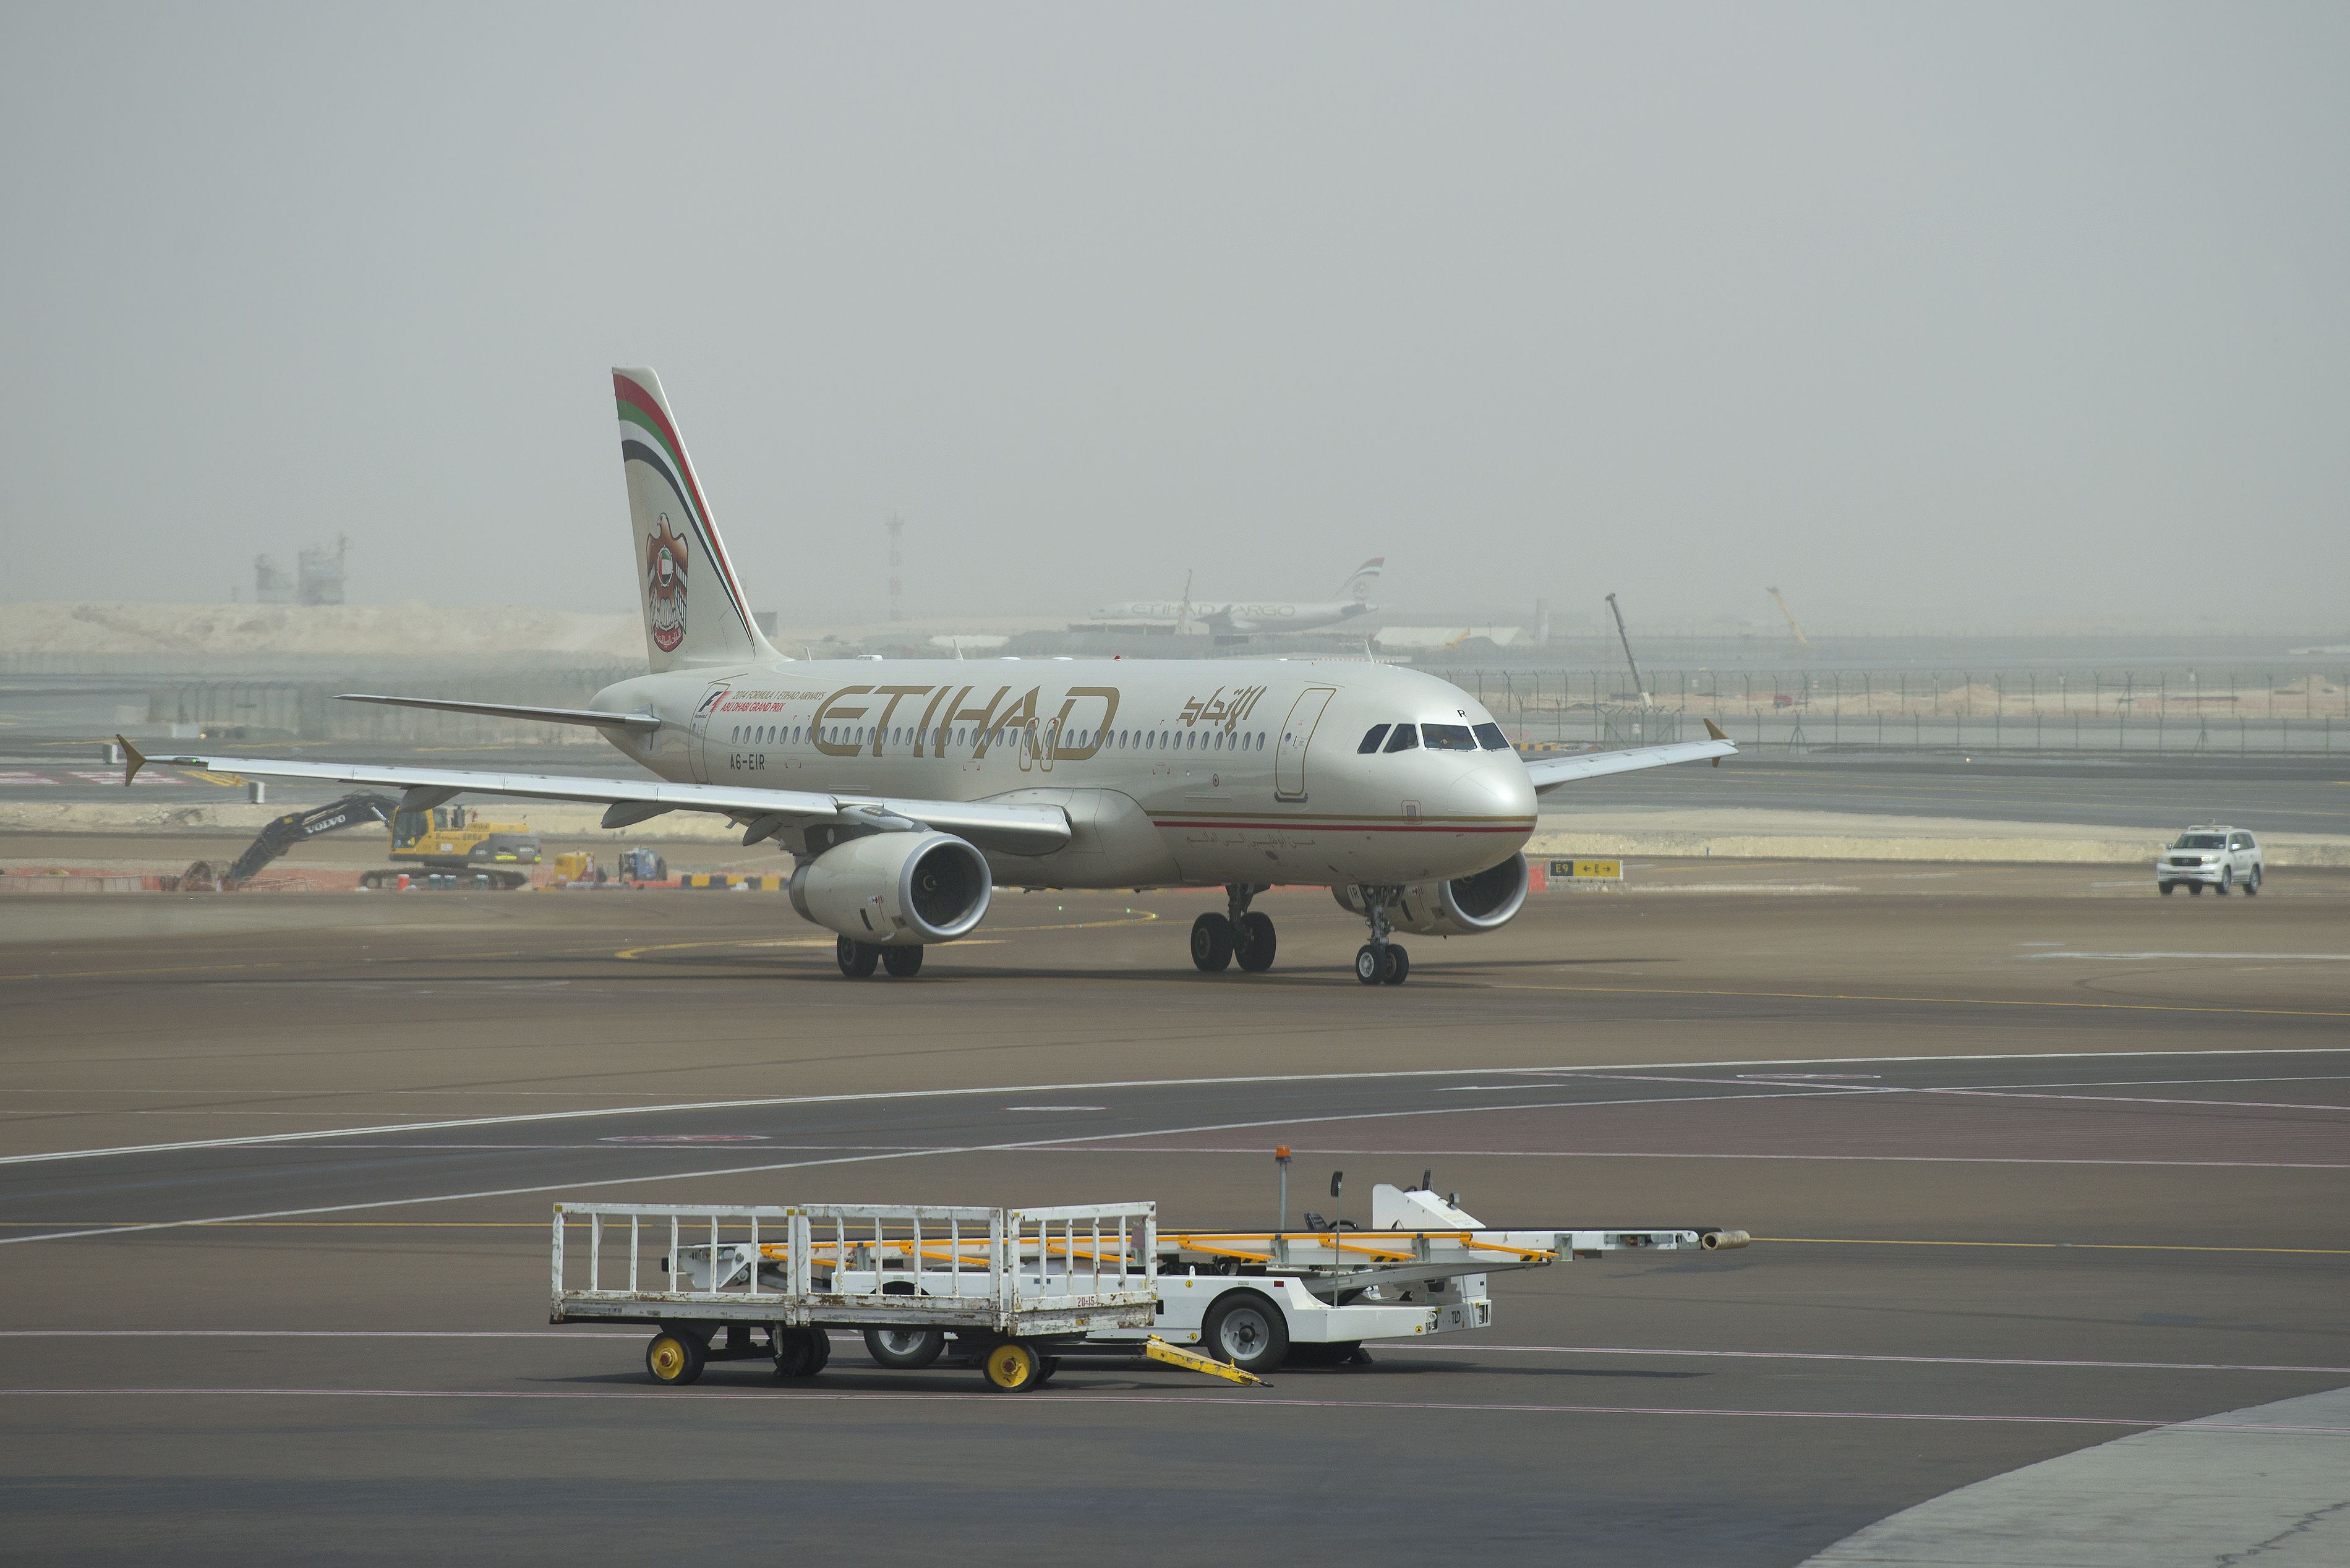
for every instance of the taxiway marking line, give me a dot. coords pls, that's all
(1923, 1001)
(2056, 1246)
(1629, 1350)
(1010, 1147)
(1138, 918)
(1074, 1396)
(2101, 1099)
(556, 1334)
(1717, 1154)
(2139, 958)
(1132, 918)
(523, 1117)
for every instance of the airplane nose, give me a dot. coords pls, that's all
(1497, 787)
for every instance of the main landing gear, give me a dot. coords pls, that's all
(858, 960)
(1242, 934)
(1381, 962)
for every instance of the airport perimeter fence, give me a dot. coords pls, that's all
(2303, 713)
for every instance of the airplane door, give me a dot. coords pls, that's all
(697, 745)
(1297, 734)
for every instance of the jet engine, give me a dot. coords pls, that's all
(1464, 907)
(895, 888)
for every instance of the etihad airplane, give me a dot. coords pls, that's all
(908, 790)
(1245, 618)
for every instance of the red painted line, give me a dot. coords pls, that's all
(1043, 1399)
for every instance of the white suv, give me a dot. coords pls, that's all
(2200, 857)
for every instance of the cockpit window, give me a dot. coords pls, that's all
(1371, 740)
(1449, 737)
(1489, 735)
(1404, 739)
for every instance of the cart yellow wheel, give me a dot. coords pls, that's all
(1011, 1368)
(674, 1358)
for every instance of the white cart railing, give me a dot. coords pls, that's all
(1015, 1270)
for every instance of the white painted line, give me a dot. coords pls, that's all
(1074, 1395)
(1032, 1144)
(1068, 1394)
(1843, 1355)
(2150, 957)
(1448, 1346)
(322, 1134)
(318, 1333)
(2125, 1099)
(519, 1118)
(1080, 1147)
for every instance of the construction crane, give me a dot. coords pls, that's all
(1801, 641)
(1621, 636)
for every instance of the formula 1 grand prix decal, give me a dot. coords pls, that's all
(665, 562)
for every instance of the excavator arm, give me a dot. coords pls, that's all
(300, 826)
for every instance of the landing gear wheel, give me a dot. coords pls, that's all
(902, 962)
(2167, 887)
(856, 958)
(1252, 942)
(675, 1358)
(2253, 884)
(1399, 965)
(1212, 943)
(1012, 1366)
(1368, 963)
(1247, 1330)
(801, 1353)
(910, 1348)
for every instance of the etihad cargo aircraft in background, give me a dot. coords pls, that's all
(1247, 617)
(907, 790)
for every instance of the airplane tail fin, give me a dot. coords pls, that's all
(1357, 588)
(694, 609)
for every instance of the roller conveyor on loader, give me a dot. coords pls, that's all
(1016, 1292)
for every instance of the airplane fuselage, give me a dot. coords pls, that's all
(1172, 773)
(1237, 615)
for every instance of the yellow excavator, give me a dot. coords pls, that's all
(456, 839)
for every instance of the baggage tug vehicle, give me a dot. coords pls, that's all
(1016, 1291)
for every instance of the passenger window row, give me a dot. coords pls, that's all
(1435, 737)
(1118, 740)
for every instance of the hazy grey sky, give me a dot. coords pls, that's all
(2018, 311)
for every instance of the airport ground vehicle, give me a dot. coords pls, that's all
(455, 838)
(2210, 856)
(638, 864)
(1045, 1284)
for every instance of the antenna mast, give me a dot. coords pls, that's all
(896, 575)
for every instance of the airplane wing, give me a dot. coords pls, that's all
(1011, 829)
(595, 716)
(1549, 772)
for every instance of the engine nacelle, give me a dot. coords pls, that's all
(895, 890)
(1464, 907)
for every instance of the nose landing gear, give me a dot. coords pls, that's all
(1240, 933)
(1380, 962)
(858, 960)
